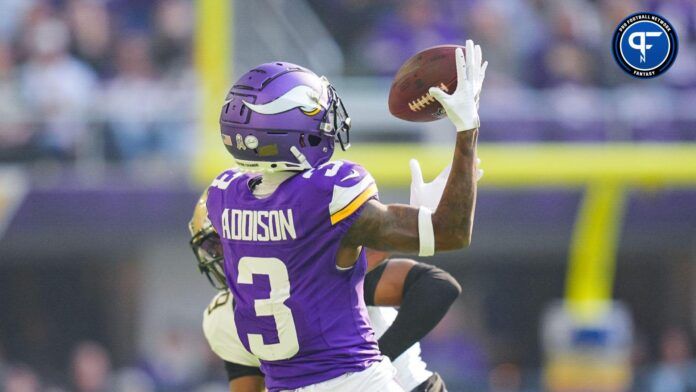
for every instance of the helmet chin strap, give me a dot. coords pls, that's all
(270, 180)
(273, 167)
(300, 158)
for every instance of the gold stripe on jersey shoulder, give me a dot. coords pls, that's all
(354, 205)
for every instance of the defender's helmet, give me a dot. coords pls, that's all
(281, 116)
(206, 245)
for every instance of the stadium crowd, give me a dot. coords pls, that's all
(70, 69)
(70, 72)
(552, 76)
(180, 363)
(535, 43)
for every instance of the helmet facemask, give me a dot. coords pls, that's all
(207, 248)
(336, 120)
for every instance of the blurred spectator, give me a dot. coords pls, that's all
(12, 12)
(91, 367)
(178, 360)
(338, 15)
(409, 27)
(92, 37)
(506, 30)
(506, 377)
(133, 380)
(640, 363)
(682, 14)
(676, 371)
(3, 365)
(613, 11)
(212, 387)
(130, 102)
(565, 55)
(58, 88)
(15, 135)
(173, 35)
(21, 378)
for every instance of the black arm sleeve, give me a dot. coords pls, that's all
(428, 294)
(371, 280)
(235, 370)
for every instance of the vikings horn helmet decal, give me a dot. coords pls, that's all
(303, 97)
(290, 116)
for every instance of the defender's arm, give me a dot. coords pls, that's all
(424, 294)
(247, 384)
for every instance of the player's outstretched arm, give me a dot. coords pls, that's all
(395, 227)
(402, 228)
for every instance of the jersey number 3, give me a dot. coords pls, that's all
(277, 273)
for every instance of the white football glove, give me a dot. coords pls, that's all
(462, 105)
(428, 195)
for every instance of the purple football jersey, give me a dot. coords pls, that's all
(293, 307)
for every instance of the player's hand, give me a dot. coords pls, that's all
(429, 194)
(462, 105)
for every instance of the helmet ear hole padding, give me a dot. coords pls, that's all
(314, 140)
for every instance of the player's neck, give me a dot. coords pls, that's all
(270, 182)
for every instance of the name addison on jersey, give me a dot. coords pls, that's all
(263, 226)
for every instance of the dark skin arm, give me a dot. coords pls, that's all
(394, 227)
(375, 258)
(247, 384)
(390, 288)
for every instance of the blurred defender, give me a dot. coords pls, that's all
(423, 292)
(292, 236)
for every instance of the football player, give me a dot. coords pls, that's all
(293, 224)
(424, 293)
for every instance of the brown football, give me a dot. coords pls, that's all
(433, 67)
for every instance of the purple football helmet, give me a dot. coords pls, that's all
(280, 116)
